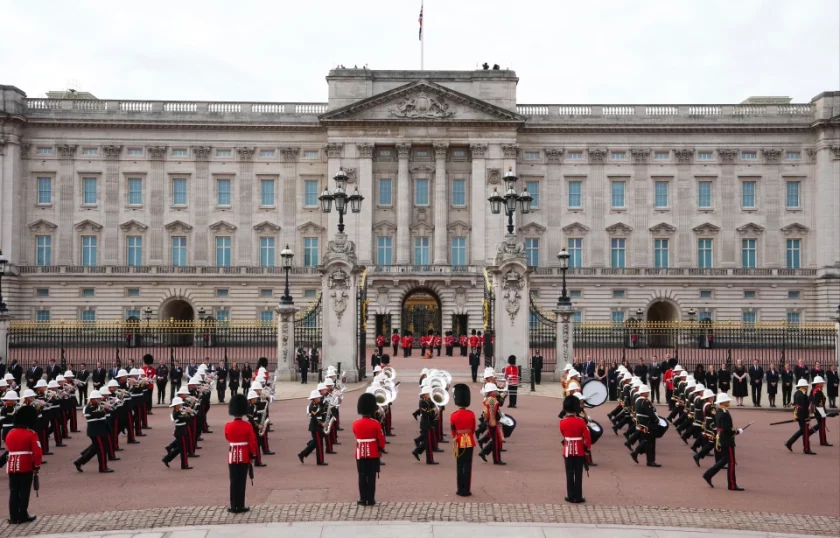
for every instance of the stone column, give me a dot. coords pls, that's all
(684, 218)
(441, 205)
(203, 196)
(729, 210)
(366, 216)
(599, 194)
(286, 367)
(4, 343)
(565, 340)
(478, 204)
(157, 204)
(288, 203)
(13, 199)
(339, 283)
(66, 202)
(770, 199)
(403, 207)
(826, 192)
(510, 276)
(643, 187)
(552, 194)
(245, 207)
(111, 200)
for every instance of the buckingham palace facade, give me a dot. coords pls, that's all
(109, 207)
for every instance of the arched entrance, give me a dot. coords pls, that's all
(421, 313)
(178, 309)
(661, 312)
(658, 314)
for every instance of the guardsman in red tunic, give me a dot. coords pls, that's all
(406, 345)
(512, 380)
(463, 425)
(395, 341)
(242, 443)
(576, 443)
(23, 464)
(462, 342)
(370, 443)
(424, 343)
(473, 341)
(449, 343)
(380, 343)
(437, 343)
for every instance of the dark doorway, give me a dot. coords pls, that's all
(383, 326)
(460, 323)
(421, 313)
(181, 334)
(658, 316)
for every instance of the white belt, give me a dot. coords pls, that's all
(180, 423)
(239, 444)
(360, 441)
(574, 438)
(95, 419)
(18, 453)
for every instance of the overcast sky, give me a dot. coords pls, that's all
(592, 51)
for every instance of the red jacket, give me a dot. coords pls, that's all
(406, 342)
(24, 451)
(149, 372)
(395, 339)
(512, 375)
(424, 341)
(369, 438)
(576, 439)
(450, 341)
(437, 341)
(462, 422)
(380, 341)
(473, 341)
(242, 439)
(668, 378)
(462, 341)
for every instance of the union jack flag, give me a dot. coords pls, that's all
(420, 20)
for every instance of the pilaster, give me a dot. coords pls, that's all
(684, 182)
(12, 211)
(827, 193)
(552, 194)
(599, 192)
(728, 207)
(441, 207)
(111, 192)
(157, 203)
(642, 197)
(478, 204)
(203, 197)
(288, 203)
(245, 206)
(403, 206)
(66, 202)
(365, 152)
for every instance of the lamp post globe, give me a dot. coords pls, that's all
(286, 256)
(692, 313)
(564, 302)
(640, 314)
(147, 312)
(495, 202)
(201, 313)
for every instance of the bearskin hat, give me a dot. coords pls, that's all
(386, 359)
(367, 404)
(262, 362)
(238, 406)
(26, 417)
(571, 405)
(148, 358)
(461, 395)
(512, 359)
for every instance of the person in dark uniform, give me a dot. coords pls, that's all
(180, 446)
(756, 382)
(536, 366)
(818, 402)
(33, 375)
(512, 380)
(724, 378)
(176, 376)
(491, 411)
(655, 374)
(772, 376)
(380, 343)
(96, 414)
(787, 385)
(427, 412)
(801, 412)
(462, 423)
(375, 359)
(98, 377)
(24, 462)
(316, 429)
(242, 445)
(395, 341)
(53, 370)
(832, 379)
(370, 443)
(161, 379)
(641, 371)
(221, 381)
(82, 375)
(303, 366)
(725, 444)
(474, 363)
(577, 442)
(647, 420)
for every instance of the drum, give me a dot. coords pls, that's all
(508, 425)
(596, 393)
(595, 430)
(660, 428)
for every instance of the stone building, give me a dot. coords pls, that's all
(109, 206)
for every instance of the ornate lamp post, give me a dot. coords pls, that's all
(286, 256)
(511, 199)
(640, 314)
(147, 314)
(692, 314)
(4, 261)
(340, 197)
(564, 302)
(202, 314)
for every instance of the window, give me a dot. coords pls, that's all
(42, 315)
(223, 192)
(704, 155)
(267, 192)
(575, 155)
(42, 292)
(793, 248)
(133, 292)
(421, 154)
(223, 251)
(223, 316)
(575, 193)
(43, 250)
(617, 247)
(705, 294)
(617, 193)
(660, 253)
(704, 253)
(749, 155)
(384, 250)
(794, 294)
(460, 154)
(132, 313)
(179, 152)
(179, 251)
(532, 251)
(459, 251)
(532, 155)
(748, 253)
(749, 294)
(705, 315)
(134, 152)
(310, 193)
(792, 194)
(385, 153)
(310, 251)
(223, 292)
(266, 252)
(266, 153)
(748, 194)
(44, 151)
(135, 191)
(88, 292)
(266, 292)
(309, 294)
(748, 317)
(224, 153)
(794, 317)
(89, 151)
(618, 155)
(88, 315)
(575, 247)
(88, 250)
(574, 294)
(577, 317)
(266, 316)
(661, 155)
(179, 191)
(385, 192)
(792, 155)
(704, 194)
(618, 294)
(533, 188)
(617, 317)
(44, 190)
(89, 190)
(459, 193)
(421, 192)
(660, 189)
(310, 154)
(421, 251)
(134, 250)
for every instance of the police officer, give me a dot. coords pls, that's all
(536, 366)
(303, 365)
(161, 378)
(474, 362)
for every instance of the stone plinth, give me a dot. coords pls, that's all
(286, 366)
(339, 283)
(510, 282)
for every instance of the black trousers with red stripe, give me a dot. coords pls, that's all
(494, 444)
(463, 464)
(726, 458)
(819, 427)
(99, 448)
(426, 442)
(802, 432)
(179, 447)
(315, 444)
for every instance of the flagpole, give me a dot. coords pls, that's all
(422, 39)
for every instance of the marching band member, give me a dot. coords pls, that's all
(708, 435)
(243, 445)
(138, 401)
(180, 446)
(725, 444)
(582, 414)
(109, 423)
(463, 425)
(96, 414)
(24, 462)
(53, 409)
(492, 413)
(262, 412)
(647, 418)
(801, 408)
(564, 376)
(316, 429)
(576, 442)
(818, 406)
(427, 412)
(512, 380)
(254, 419)
(370, 441)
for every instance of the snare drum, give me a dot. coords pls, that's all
(508, 424)
(595, 430)
(660, 428)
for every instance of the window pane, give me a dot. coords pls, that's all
(267, 192)
(661, 253)
(310, 193)
(223, 192)
(792, 198)
(88, 250)
(88, 315)
(748, 194)
(577, 317)
(618, 194)
(793, 253)
(421, 192)
(574, 194)
(266, 316)
(618, 317)
(532, 252)
(89, 190)
(383, 251)
(748, 253)
(266, 252)
(42, 315)
(617, 253)
(661, 194)
(179, 191)
(459, 251)
(793, 317)
(459, 193)
(704, 253)
(43, 247)
(575, 247)
(704, 194)
(135, 191)
(223, 316)
(310, 251)
(132, 313)
(179, 251)
(134, 254)
(44, 190)
(748, 317)
(421, 251)
(385, 196)
(223, 251)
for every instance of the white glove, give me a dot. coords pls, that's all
(740, 431)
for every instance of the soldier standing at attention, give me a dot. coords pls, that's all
(462, 343)
(474, 362)
(512, 380)
(370, 443)
(463, 425)
(380, 343)
(536, 366)
(24, 462)
(303, 366)
(242, 446)
(576, 442)
(395, 341)
(725, 444)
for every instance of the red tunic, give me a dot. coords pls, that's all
(576, 439)
(242, 439)
(462, 341)
(473, 341)
(406, 342)
(512, 375)
(380, 341)
(424, 341)
(463, 428)
(149, 372)
(24, 451)
(369, 438)
(450, 341)
(668, 378)
(437, 341)
(395, 339)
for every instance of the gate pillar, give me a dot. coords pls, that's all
(4, 337)
(510, 276)
(286, 342)
(340, 276)
(565, 339)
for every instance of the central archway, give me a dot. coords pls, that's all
(178, 309)
(661, 312)
(421, 312)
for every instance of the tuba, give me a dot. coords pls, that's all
(440, 397)
(389, 373)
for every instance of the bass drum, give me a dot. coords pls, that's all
(595, 430)
(596, 393)
(508, 425)
(660, 428)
